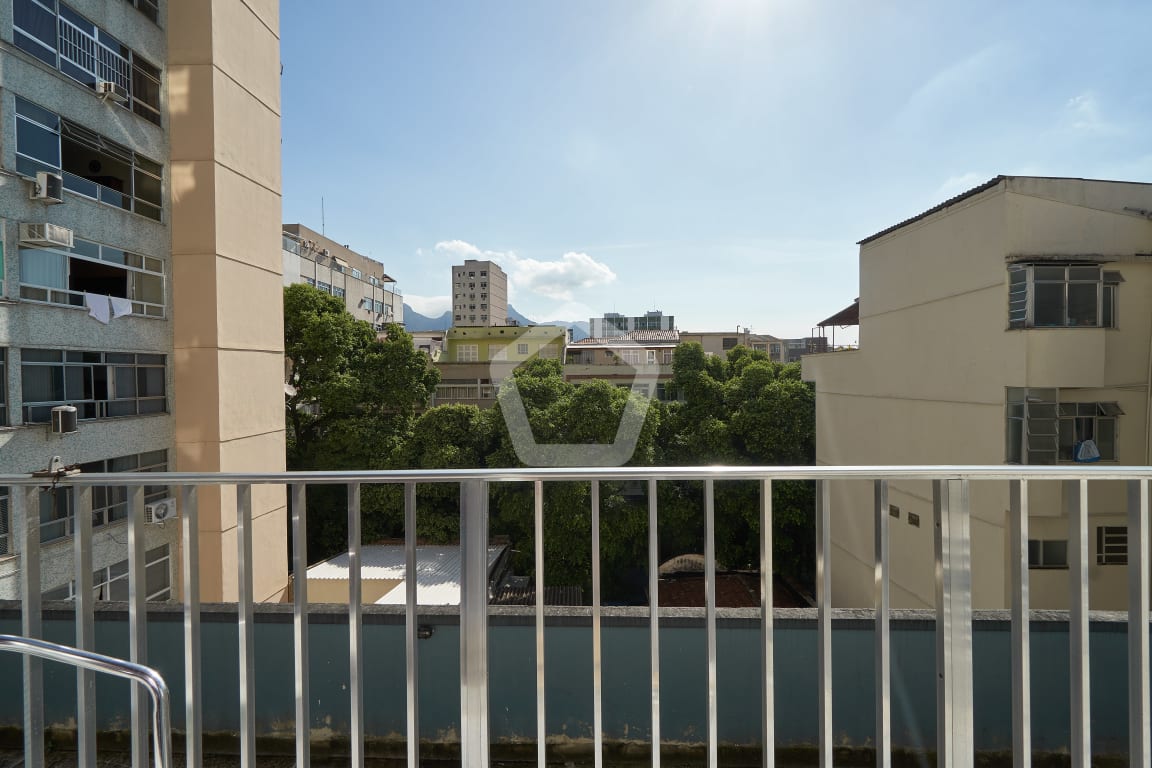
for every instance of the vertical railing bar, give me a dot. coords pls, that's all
(190, 564)
(1076, 498)
(137, 622)
(710, 613)
(1021, 651)
(411, 651)
(1140, 744)
(355, 627)
(767, 641)
(85, 627)
(246, 626)
(26, 511)
(300, 624)
(474, 736)
(654, 615)
(883, 661)
(541, 723)
(824, 615)
(940, 503)
(597, 670)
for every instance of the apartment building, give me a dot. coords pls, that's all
(368, 292)
(1012, 323)
(621, 359)
(615, 324)
(139, 218)
(479, 294)
(719, 342)
(475, 360)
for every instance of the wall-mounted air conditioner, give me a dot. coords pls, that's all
(110, 91)
(48, 188)
(160, 511)
(46, 235)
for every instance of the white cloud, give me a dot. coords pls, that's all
(429, 306)
(1083, 113)
(462, 249)
(558, 279)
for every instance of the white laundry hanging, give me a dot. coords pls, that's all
(97, 307)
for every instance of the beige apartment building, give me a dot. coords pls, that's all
(479, 294)
(1008, 324)
(141, 274)
(368, 293)
(619, 358)
(719, 342)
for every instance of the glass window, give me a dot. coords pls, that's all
(521, 349)
(1061, 296)
(467, 353)
(1111, 545)
(63, 276)
(1047, 553)
(1043, 429)
(90, 164)
(99, 384)
(5, 524)
(3, 389)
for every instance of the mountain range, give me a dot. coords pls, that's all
(414, 321)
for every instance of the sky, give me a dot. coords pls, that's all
(716, 160)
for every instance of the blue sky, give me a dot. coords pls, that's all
(715, 160)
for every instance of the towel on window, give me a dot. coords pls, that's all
(120, 307)
(97, 307)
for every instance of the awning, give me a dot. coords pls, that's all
(848, 316)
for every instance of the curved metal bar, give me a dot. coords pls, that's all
(97, 662)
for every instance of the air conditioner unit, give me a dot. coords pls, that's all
(46, 235)
(160, 511)
(48, 187)
(110, 91)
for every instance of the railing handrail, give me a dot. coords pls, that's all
(139, 674)
(718, 472)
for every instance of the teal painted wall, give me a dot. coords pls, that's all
(626, 678)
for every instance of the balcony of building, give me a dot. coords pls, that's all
(595, 684)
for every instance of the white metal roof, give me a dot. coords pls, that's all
(437, 571)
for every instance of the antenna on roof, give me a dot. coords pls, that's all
(322, 215)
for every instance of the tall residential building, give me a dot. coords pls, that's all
(368, 292)
(140, 223)
(615, 324)
(479, 294)
(1012, 323)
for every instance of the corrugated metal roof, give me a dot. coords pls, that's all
(950, 201)
(437, 571)
(631, 338)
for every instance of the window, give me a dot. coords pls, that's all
(357, 274)
(483, 273)
(667, 357)
(774, 350)
(64, 275)
(338, 291)
(651, 357)
(92, 166)
(467, 353)
(62, 38)
(728, 342)
(310, 281)
(324, 286)
(1061, 296)
(631, 356)
(521, 349)
(1111, 545)
(3, 391)
(109, 504)
(662, 391)
(1043, 429)
(150, 8)
(1047, 553)
(100, 384)
(483, 285)
(111, 582)
(5, 524)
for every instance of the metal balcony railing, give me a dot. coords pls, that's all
(953, 577)
(85, 662)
